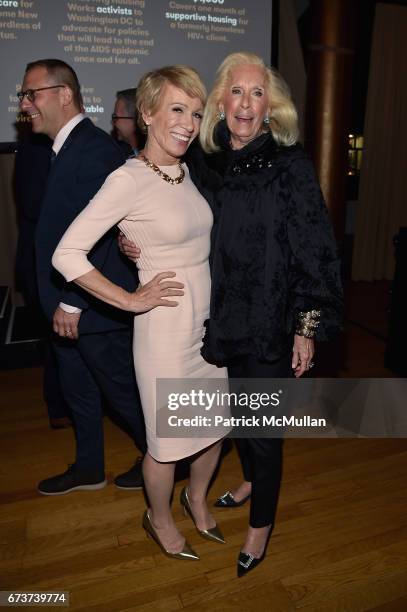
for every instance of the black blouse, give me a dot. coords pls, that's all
(274, 256)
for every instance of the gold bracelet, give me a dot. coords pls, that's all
(307, 323)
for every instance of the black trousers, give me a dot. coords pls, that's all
(261, 458)
(93, 366)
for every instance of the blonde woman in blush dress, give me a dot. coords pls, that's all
(155, 203)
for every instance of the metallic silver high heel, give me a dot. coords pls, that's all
(214, 534)
(186, 553)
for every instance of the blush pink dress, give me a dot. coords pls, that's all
(171, 224)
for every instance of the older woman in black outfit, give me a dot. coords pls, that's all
(275, 274)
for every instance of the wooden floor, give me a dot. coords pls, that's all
(340, 543)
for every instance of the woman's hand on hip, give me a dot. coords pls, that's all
(155, 292)
(303, 352)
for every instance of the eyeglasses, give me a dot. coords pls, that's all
(30, 93)
(116, 117)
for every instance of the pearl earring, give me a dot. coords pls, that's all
(222, 115)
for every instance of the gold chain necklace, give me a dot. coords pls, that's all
(173, 181)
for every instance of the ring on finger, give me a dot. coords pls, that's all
(311, 365)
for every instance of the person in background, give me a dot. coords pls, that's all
(92, 342)
(124, 121)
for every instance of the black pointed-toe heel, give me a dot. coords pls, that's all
(246, 563)
(228, 501)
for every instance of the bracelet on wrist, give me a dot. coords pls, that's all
(307, 323)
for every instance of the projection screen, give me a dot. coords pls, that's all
(111, 43)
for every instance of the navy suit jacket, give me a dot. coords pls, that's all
(87, 157)
(30, 178)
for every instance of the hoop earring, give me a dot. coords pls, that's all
(222, 115)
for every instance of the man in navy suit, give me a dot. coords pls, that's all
(94, 355)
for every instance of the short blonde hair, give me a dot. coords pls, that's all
(282, 112)
(151, 85)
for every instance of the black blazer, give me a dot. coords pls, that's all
(79, 170)
(274, 253)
